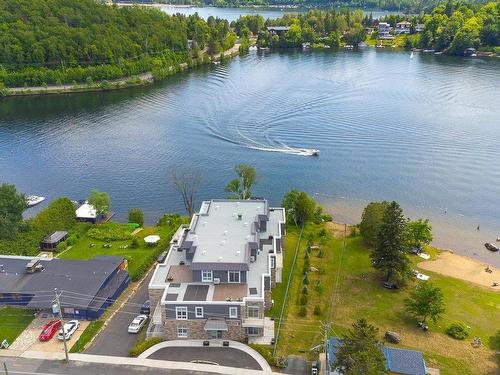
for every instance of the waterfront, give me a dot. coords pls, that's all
(421, 131)
(232, 14)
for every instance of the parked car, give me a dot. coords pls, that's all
(146, 308)
(137, 324)
(69, 328)
(49, 330)
(161, 258)
(390, 285)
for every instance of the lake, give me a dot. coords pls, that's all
(232, 14)
(424, 131)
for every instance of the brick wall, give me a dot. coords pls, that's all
(196, 331)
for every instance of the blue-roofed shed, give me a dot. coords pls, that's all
(404, 361)
(398, 361)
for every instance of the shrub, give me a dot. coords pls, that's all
(72, 239)
(306, 280)
(303, 299)
(61, 246)
(134, 244)
(302, 311)
(143, 345)
(89, 81)
(135, 215)
(304, 290)
(320, 254)
(458, 331)
(59, 215)
(317, 310)
(318, 288)
(110, 232)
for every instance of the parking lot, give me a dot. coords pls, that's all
(114, 339)
(28, 339)
(219, 355)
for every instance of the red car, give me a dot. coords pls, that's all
(49, 330)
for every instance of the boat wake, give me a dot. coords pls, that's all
(288, 150)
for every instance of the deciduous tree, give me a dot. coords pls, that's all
(187, 182)
(418, 232)
(426, 301)
(240, 186)
(100, 200)
(299, 206)
(12, 206)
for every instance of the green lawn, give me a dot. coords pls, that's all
(360, 294)
(138, 259)
(13, 321)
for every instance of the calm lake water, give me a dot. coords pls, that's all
(232, 14)
(422, 131)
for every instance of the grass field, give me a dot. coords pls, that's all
(13, 321)
(136, 258)
(350, 289)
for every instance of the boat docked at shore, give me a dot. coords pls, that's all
(491, 247)
(33, 200)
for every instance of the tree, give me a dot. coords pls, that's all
(135, 215)
(426, 301)
(299, 206)
(12, 206)
(418, 232)
(390, 254)
(100, 200)
(360, 352)
(240, 187)
(59, 215)
(186, 182)
(371, 221)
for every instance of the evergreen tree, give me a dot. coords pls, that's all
(360, 353)
(12, 205)
(390, 256)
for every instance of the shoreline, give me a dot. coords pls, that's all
(143, 79)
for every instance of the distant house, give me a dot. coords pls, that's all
(52, 240)
(87, 213)
(278, 30)
(398, 361)
(369, 30)
(384, 31)
(419, 27)
(88, 286)
(403, 27)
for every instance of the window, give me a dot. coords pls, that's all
(206, 276)
(234, 276)
(273, 262)
(252, 331)
(182, 332)
(199, 312)
(233, 312)
(181, 313)
(253, 311)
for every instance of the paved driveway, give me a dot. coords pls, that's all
(221, 356)
(114, 340)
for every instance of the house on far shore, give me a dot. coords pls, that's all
(398, 361)
(419, 27)
(52, 240)
(369, 30)
(384, 31)
(278, 30)
(403, 27)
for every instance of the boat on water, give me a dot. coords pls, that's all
(33, 200)
(309, 151)
(491, 247)
(252, 48)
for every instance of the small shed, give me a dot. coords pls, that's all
(51, 241)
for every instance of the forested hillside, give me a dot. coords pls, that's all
(51, 41)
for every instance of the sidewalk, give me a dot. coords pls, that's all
(152, 363)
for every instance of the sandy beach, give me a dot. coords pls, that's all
(463, 268)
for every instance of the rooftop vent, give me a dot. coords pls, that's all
(222, 242)
(253, 291)
(204, 252)
(240, 216)
(219, 259)
(225, 233)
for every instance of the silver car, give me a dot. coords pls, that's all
(137, 324)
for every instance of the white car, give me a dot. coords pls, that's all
(137, 324)
(69, 328)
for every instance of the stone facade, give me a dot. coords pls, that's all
(196, 330)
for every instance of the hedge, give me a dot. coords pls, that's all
(143, 346)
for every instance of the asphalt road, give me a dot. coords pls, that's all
(222, 356)
(114, 340)
(25, 366)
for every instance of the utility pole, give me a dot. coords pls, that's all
(58, 302)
